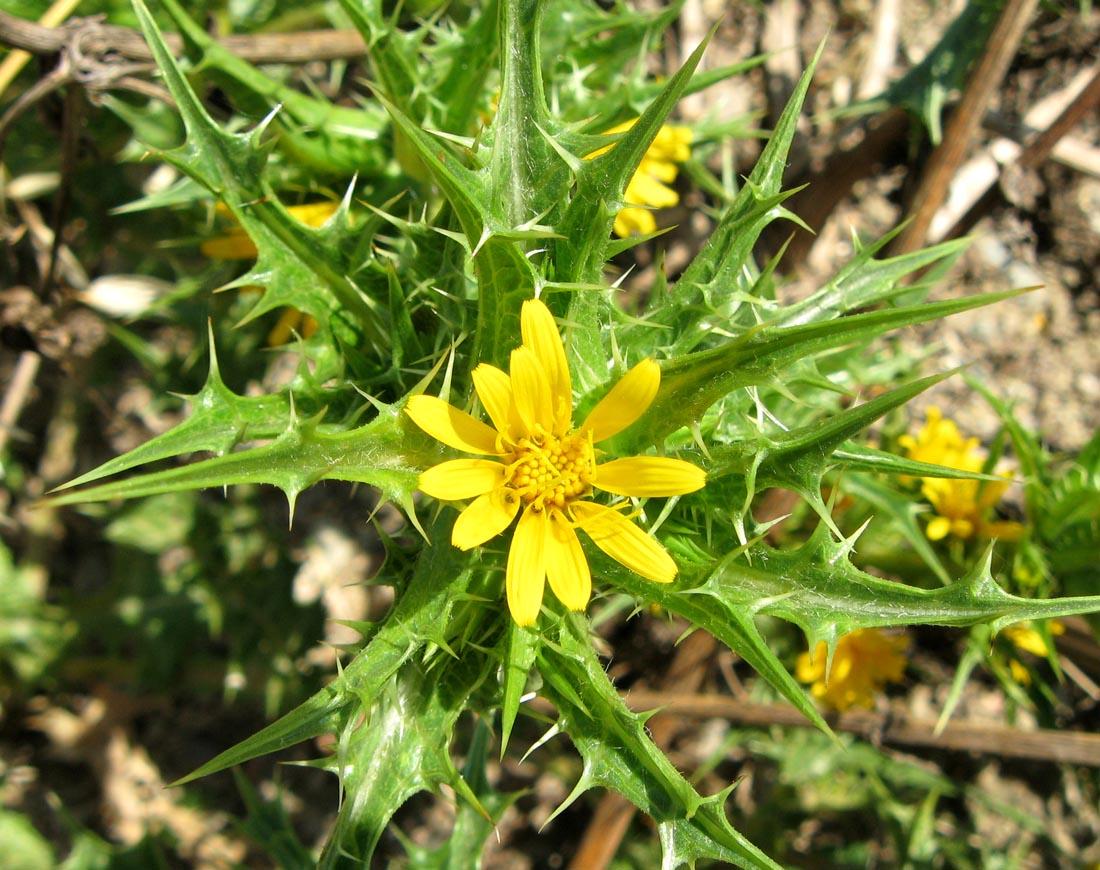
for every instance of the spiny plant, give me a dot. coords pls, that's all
(464, 275)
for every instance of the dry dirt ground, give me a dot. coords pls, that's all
(106, 755)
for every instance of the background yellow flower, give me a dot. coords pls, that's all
(1024, 637)
(649, 186)
(236, 245)
(864, 662)
(962, 506)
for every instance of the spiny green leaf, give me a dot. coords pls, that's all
(471, 63)
(692, 383)
(726, 259)
(382, 453)
(505, 276)
(393, 55)
(864, 281)
(401, 747)
(691, 307)
(730, 622)
(330, 138)
(926, 88)
(581, 252)
(817, 588)
(464, 848)
(522, 166)
(798, 458)
(421, 615)
(219, 420)
(619, 755)
(520, 648)
(898, 507)
(859, 457)
(585, 226)
(231, 167)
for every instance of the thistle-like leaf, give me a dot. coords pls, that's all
(473, 825)
(817, 588)
(692, 383)
(519, 650)
(331, 139)
(864, 281)
(392, 748)
(585, 227)
(505, 276)
(382, 453)
(420, 618)
(722, 265)
(291, 256)
(619, 755)
(219, 420)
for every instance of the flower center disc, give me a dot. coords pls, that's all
(551, 471)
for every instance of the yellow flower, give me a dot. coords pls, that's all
(236, 245)
(1026, 638)
(544, 469)
(961, 505)
(649, 187)
(940, 442)
(863, 663)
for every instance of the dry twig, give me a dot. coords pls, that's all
(972, 188)
(90, 36)
(1001, 740)
(946, 159)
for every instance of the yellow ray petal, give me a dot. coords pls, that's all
(644, 189)
(649, 475)
(988, 494)
(625, 402)
(540, 334)
(455, 428)
(487, 516)
(283, 331)
(1003, 530)
(938, 528)
(314, 214)
(531, 390)
(234, 245)
(663, 170)
(462, 478)
(634, 222)
(566, 566)
(672, 143)
(494, 388)
(525, 575)
(618, 128)
(625, 542)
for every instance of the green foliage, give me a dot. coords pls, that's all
(447, 223)
(925, 89)
(33, 633)
(26, 848)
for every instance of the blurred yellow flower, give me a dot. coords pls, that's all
(863, 663)
(236, 245)
(1026, 638)
(649, 186)
(961, 505)
(537, 465)
(940, 442)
